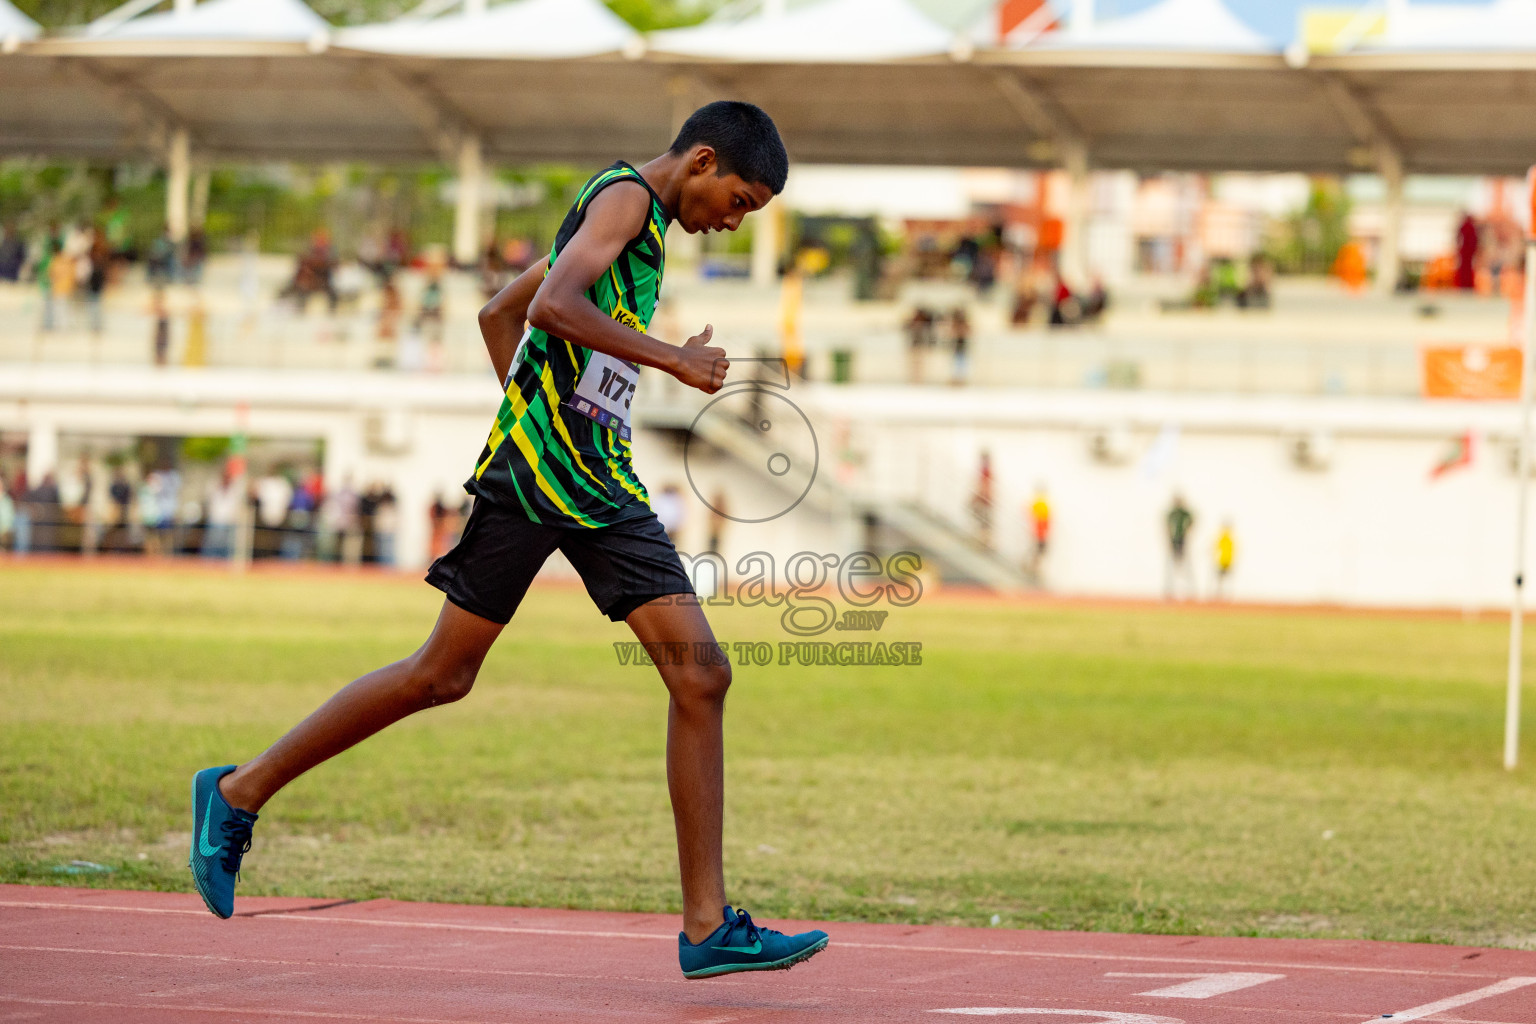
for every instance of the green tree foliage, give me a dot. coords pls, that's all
(1308, 240)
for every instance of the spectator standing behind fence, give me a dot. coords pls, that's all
(960, 339)
(1180, 520)
(1040, 528)
(13, 254)
(21, 525)
(121, 494)
(7, 515)
(386, 520)
(160, 340)
(1226, 555)
(224, 499)
(981, 499)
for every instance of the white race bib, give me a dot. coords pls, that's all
(604, 392)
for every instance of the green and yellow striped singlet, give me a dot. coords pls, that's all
(560, 447)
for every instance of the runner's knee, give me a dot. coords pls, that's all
(702, 684)
(442, 681)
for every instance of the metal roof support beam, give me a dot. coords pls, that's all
(1039, 111)
(150, 120)
(441, 125)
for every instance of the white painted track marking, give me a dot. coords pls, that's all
(1450, 1003)
(1201, 986)
(1099, 1016)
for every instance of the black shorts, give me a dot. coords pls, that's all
(501, 550)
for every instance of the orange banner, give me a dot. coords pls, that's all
(1472, 371)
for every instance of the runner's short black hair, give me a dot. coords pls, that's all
(744, 138)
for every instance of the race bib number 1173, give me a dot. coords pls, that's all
(604, 392)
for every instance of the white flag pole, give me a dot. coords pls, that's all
(1522, 486)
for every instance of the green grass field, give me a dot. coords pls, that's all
(1058, 766)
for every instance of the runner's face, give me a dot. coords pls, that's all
(712, 201)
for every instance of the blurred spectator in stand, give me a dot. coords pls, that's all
(397, 251)
(62, 278)
(43, 270)
(493, 269)
(1255, 294)
(21, 525)
(429, 313)
(298, 527)
(149, 512)
(670, 511)
(160, 261)
(224, 500)
(121, 494)
(85, 508)
(518, 254)
(1350, 267)
(1065, 309)
(196, 256)
(13, 254)
(1040, 527)
(1466, 253)
(274, 500)
(1180, 520)
(348, 522)
(98, 266)
(718, 512)
(960, 340)
(438, 516)
(47, 513)
(981, 499)
(386, 520)
(1226, 554)
(919, 330)
(167, 503)
(114, 224)
(161, 316)
(390, 310)
(312, 274)
(1096, 301)
(7, 515)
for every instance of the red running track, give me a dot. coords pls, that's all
(86, 955)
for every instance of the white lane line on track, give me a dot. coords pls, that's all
(1451, 1002)
(234, 1012)
(1201, 986)
(898, 947)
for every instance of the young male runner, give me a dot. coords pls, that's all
(555, 473)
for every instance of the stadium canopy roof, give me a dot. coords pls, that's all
(211, 27)
(528, 29)
(832, 30)
(15, 27)
(840, 95)
(1171, 25)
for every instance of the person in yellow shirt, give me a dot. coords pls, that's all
(1040, 523)
(1226, 554)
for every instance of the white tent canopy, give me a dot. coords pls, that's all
(222, 21)
(522, 29)
(1502, 25)
(1197, 25)
(14, 25)
(831, 31)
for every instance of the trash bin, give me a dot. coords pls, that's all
(842, 366)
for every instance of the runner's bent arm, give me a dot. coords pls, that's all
(501, 319)
(562, 308)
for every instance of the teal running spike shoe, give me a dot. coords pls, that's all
(221, 835)
(740, 945)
